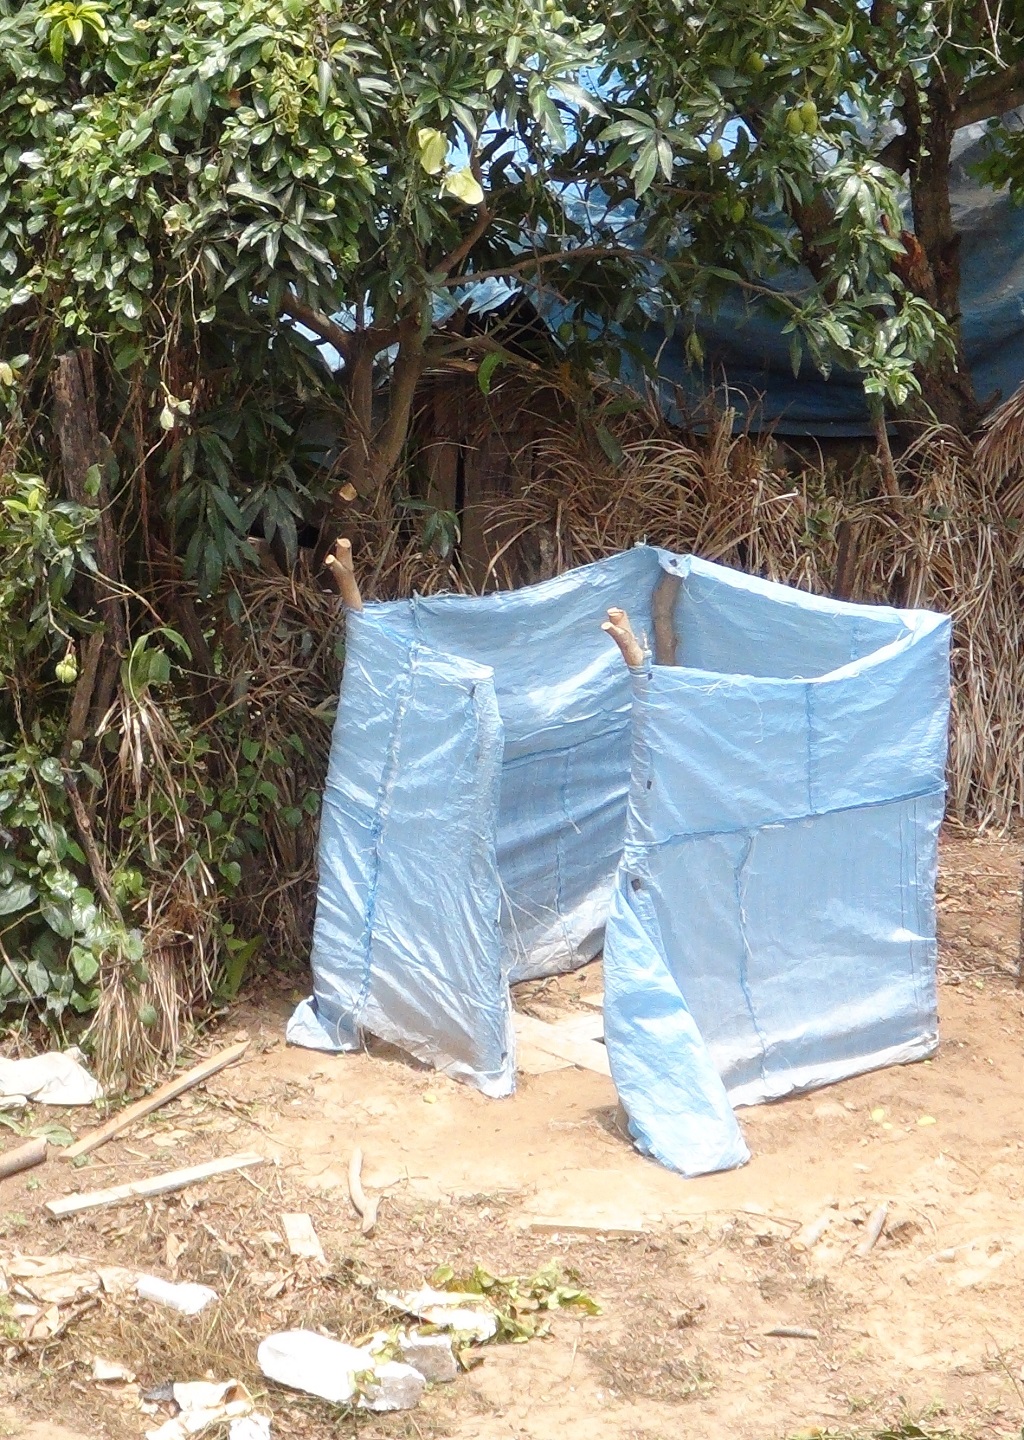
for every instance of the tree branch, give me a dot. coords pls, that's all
(991, 96)
(554, 257)
(476, 231)
(319, 324)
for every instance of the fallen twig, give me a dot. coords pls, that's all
(792, 1332)
(873, 1229)
(365, 1208)
(808, 1237)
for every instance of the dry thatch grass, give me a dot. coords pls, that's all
(999, 454)
(942, 545)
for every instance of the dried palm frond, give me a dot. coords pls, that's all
(999, 454)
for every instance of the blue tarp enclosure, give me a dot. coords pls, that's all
(749, 836)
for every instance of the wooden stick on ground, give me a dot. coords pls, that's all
(22, 1157)
(873, 1229)
(663, 614)
(809, 1235)
(618, 627)
(155, 1185)
(95, 1138)
(341, 567)
(365, 1208)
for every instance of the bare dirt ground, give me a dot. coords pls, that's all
(928, 1328)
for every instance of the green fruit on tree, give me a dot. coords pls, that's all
(795, 122)
(67, 669)
(755, 63)
(737, 212)
(715, 152)
(809, 116)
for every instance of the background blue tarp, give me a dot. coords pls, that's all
(746, 350)
(751, 835)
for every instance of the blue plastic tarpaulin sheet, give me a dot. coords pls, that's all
(747, 355)
(749, 835)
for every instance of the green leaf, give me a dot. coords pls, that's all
(488, 365)
(84, 964)
(180, 100)
(17, 896)
(53, 1133)
(433, 151)
(57, 914)
(463, 185)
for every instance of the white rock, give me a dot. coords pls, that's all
(395, 1387)
(431, 1355)
(189, 1299)
(317, 1365)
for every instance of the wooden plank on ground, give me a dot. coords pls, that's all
(303, 1241)
(531, 1061)
(95, 1138)
(154, 1185)
(587, 1054)
(621, 1228)
(586, 1026)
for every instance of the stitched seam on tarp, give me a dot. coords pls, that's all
(679, 835)
(559, 857)
(810, 750)
(389, 775)
(744, 975)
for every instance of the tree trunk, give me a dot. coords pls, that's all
(933, 262)
(81, 447)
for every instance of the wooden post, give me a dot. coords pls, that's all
(663, 613)
(618, 627)
(22, 1157)
(341, 567)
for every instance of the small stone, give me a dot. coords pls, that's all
(431, 1355)
(394, 1387)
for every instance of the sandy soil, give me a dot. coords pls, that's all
(691, 1275)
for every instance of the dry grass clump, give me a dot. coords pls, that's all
(943, 544)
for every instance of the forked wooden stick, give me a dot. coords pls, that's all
(341, 567)
(618, 627)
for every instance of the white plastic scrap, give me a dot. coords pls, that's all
(318, 1365)
(250, 1427)
(447, 1309)
(52, 1079)
(189, 1299)
(203, 1403)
